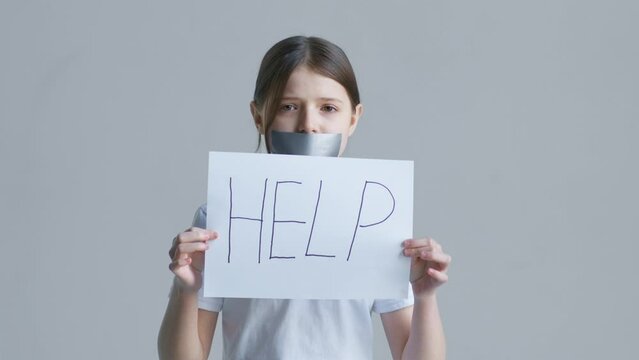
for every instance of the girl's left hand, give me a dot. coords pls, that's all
(428, 265)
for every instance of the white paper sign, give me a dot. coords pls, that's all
(302, 227)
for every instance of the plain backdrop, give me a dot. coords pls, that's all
(521, 117)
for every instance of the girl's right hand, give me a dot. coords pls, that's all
(187, 257)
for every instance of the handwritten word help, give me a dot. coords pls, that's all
(274, 196)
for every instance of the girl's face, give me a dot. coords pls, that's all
(313, 103)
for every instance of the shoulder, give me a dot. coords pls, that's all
(382, 306)
(199, 219)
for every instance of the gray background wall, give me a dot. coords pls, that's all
(521, 117)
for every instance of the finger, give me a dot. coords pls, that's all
(437, 246)
(211, 233)
(436, 256)
(188, 248)
(194, 235)
(197, 229)
(440, 276)
(185, 250)
(190, 237)
(417, 251)
(413, 243)
(177, 263)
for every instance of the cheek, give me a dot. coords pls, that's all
(283, 124)
(339, 124)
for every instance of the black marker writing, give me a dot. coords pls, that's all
(260, 219)
(277, 184)
(361, 204)
(310, 236)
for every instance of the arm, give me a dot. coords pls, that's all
(186, 331)
(417, 332)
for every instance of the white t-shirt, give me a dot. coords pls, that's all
(296, 329)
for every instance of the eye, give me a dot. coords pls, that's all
(329, 108)
(288, 107)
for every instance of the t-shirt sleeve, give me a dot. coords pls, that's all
(199, 219)
(209, 303)
(206, 303)
(381, 306)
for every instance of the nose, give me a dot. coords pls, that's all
(307, 122)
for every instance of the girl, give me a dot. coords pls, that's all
(305, 88)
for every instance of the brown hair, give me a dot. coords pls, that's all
(320, 55)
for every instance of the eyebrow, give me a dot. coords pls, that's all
(327, 99)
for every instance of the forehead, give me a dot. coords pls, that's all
(304, 82)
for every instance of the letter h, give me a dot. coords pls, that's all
(260, 219)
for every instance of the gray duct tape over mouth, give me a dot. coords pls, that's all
(293, 143)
